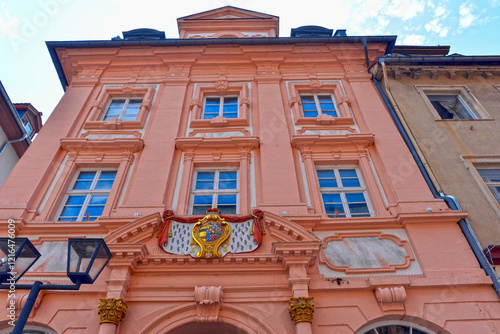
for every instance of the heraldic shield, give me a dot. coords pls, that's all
(210, 233)
(211, 236)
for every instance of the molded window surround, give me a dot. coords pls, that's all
(358, 188)
(65, 186)
(219, 105)
(218, 165)
(319, 103)
(87, 196)
(452, 103)
(486, 172)
(124, 107)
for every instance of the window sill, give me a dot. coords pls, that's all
(113, 124)
(218, 122)
(324, 120)
(462, 120)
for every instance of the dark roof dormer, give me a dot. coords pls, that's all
(142, 34)
(311, 31)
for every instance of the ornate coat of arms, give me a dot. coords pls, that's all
(212, 236)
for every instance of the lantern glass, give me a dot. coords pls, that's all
(86, 259)
(17, 255)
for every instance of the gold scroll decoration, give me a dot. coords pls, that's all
(301, 309)
(112, 310)
(210, 233)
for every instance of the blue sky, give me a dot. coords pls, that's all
(28, 75)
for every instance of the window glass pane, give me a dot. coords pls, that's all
(489, 175)
(205, 180)
(451, 106)
(227, 209)
(98, 199)
(83, 185)
(226, 199)
(71, 211)
(107, 175)
(212, 107)
(205, 175)
(326, 179)
(86, 175)
(106, 180)
(496, 192)
(115, 109)
(203, 199)
(309, 106)
(349, 178)
(76, 200)
(93, 211)
(132, 110)
(201, 204)
(227, 184)
(227, 204)
(393, 329)
(307, 99)
(333, 205)
(227, 180)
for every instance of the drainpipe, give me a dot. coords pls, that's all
(13, 141)
(450, 200)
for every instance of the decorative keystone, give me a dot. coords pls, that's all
(112, 310)
(301, 309)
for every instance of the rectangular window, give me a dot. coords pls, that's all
(88, 195)
(314, 105)
(215, 187)
(126, 109)
(225, 106)
(492, 179)
(451, 106)
(27, 125)
(343, 193)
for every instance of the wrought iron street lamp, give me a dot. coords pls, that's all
(86, 260)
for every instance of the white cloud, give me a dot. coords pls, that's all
(441, 12)
(413, 39)
(405, 9)
(435, 26)
(467, 17)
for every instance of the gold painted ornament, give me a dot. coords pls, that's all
(210, 233)
(301, 309)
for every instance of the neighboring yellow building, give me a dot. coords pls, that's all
(450, 107)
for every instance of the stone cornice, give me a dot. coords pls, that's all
(240, 143)
(450, 72)
(102, 145)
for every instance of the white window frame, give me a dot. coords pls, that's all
(87, 192)
(463, 94)
(124, 109)
(489, 184)
(27, 124)
(215, 191)
(374, 327)
(340, 189)
(221, 105)
(318, 104)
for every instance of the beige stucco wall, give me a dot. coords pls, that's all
(445, 144)
(8, 158)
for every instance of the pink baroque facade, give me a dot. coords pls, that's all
(322, 222)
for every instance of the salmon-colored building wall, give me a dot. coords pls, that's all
(405, 264)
